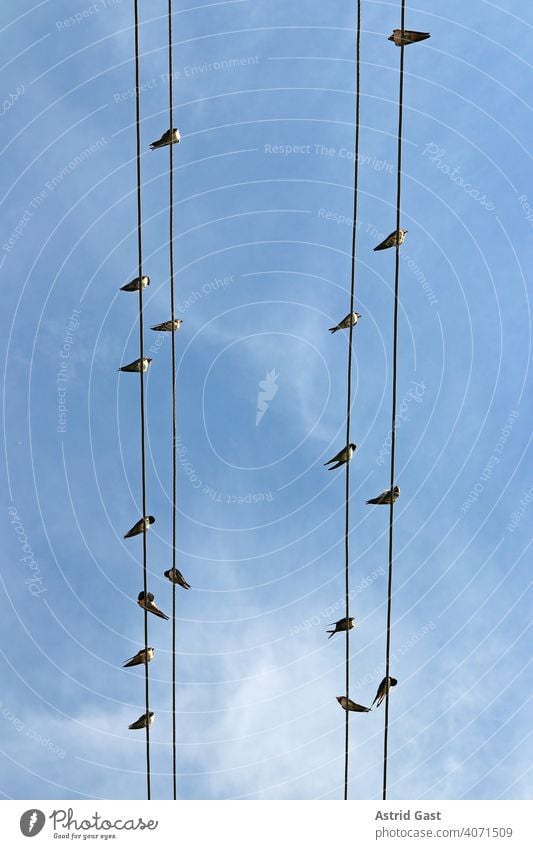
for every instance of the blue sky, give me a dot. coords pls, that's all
(264, 188)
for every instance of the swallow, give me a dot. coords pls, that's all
(347, 704)
(342, 457)
(133, 286)
(341, 626)
(168, 137)
(383, 689)
(139, 658)
(149, 604)
(175, 577)
(408, 36)
(384, 497)
(390, 241)
(350, 320)
(140, 527)
(171, 326)
(137, 365)
(142, 722)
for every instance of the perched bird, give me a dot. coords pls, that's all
(168, 137)
(142, 722)
(407, 36)
(383, 689)
(384, 497)
(140, 527)
(148, 603)
(137, 365)
(347, 704)
(133, 286)
(140, 657)
(171, 326)
(175, 577)
(342, 457)
(390, 241)
(341, 626)
(351, 319)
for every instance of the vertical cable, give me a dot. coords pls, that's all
(349, 391)
(394, 388)
(173, 380)
(141, 376)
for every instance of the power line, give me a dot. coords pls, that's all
(141, 377)
(173, 379)
(349, 392)
(394, 393)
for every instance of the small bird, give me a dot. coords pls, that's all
(347, 704)
(140, 657)
(390, 241)
(384, 497)
(408, 36)
(142, 722)
(140, 527)
(383, 689)
(341, 626)
(168, 137)
(133, 286)
(351, 320)
(137, 365)
(175, 577)
(148, 603)
(342, 457)
(171, 326)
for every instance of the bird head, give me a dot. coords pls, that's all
(151, 520)
(353, 446)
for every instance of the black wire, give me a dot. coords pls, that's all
(349, 392)
(141, 373)
(394, 391)
(173, 377)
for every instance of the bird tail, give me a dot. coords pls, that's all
(336, 466)
(132, 662)
(330, 634)
(333, 329)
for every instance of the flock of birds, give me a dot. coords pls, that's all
(146, 601)
(400, 38)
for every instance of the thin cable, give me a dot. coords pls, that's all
(173, 378)
(349, 392)
(394, 393)
(141, 373)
